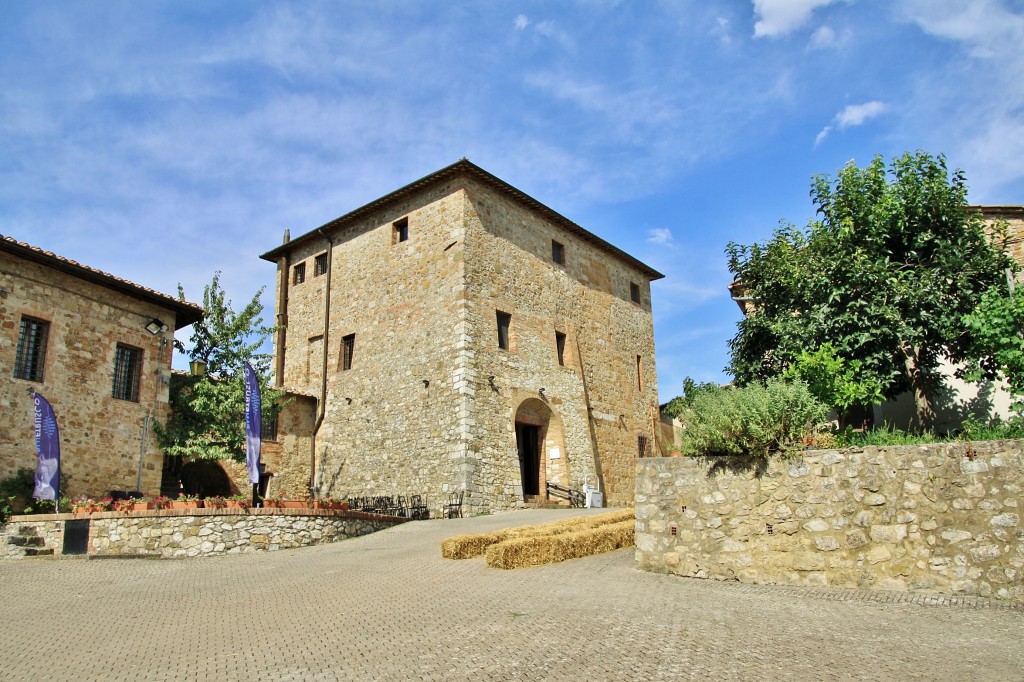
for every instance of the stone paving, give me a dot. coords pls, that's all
(387, 607)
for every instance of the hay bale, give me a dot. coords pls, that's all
(474, 545)
(548, 549)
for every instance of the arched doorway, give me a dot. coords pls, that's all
(539, 446)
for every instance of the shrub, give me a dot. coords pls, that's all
(753, 420)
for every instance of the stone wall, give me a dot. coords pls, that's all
(937, 518)
(203, 532)
(101, 437)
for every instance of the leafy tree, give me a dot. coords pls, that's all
(833, 380)
(996, 344)
(676, 407)
(886, 275)
(207, 413)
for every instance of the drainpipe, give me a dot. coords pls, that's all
(322, 407)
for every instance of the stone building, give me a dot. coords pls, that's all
(99, 349)
(458, 335)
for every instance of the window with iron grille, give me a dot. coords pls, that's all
(504, 324)
(320, 265)
(560, 347)
(348, 347)
(31, 355)
(298, 273)
(127, 371)
(641, 445)
(634, 292)
(400, 231)
(268, 427)
(557, 252)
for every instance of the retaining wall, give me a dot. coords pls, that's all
(937, 518)
(202, 532)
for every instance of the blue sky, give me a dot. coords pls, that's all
(162, 141)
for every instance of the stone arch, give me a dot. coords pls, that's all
(540, 444)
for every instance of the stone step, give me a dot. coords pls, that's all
(26, 541)
(38, 551)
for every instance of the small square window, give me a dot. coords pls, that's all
(557, 252)
(634, 292)
(400, 230)
(348, 347)
(127, 371)
(560, 347)
(320, 265)
(504, 326)
(298, 273)
(31, 354)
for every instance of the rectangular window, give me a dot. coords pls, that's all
(348, 347)
(641, 446)
(127, 371)
(31, 354)
(320, 265)
(268, 427)
(634, 292)
(557, 252)
(560, 347)
(298, 273)
(504, 324)
(400, 230)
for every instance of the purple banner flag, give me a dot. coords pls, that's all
(253, 423)
(47, 479)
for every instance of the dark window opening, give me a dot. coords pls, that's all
(400, 230)
(348, 346)
(504, 324)
(31, 355)
(639, 373)
(268, 427)
(557, 252)
(320, 265)
(127, 372)
(641, 445)
(634, 292)
(560, 347)
(298, 273)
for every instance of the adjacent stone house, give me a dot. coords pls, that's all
(458, 335)
(99, 349)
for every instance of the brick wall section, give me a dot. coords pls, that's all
(204, 532)
(417, 412)
(100, 436)
(938, 518)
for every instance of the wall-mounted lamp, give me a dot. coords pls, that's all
(541, 392)
(155, 326)
(348, 401)
(197, 368)
(426, 383)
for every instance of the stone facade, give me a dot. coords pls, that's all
(106, 443)
(202, 532)
(937, 518)
(418, 397)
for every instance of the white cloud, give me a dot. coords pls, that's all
(522, 21)
(661, 236)
(851, 116)
(823, 38)
(779, 17)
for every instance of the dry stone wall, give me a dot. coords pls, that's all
(204, 532)
(937, 518)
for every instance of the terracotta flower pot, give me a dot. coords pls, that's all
(185, 504)
(293, 504)
(235, 504)
(141, 506)
(269, 504)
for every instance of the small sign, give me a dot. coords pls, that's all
(554, 453)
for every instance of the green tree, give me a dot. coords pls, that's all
(207, 412)
(996, 343)
(886, 275)
(676, 407)
(833, 380)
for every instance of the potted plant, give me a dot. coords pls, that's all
(237, 502)
(215, 502)
(293, 504)
(325, 503)
(162, 502)
(82, 505)
(185, 501)
(124, 506)
(271, 502)
(105, 504)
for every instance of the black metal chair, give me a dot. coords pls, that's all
(418, 508)
(454, 506)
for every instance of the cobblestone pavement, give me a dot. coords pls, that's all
(387, 607)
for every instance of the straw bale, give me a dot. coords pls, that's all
(548, 549)
(474, 545)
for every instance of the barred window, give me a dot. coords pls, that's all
(298, 273)
(641, 445)
(127, 371)
(320, 265)
(268, 427)
(348, 346)
(31, 354)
